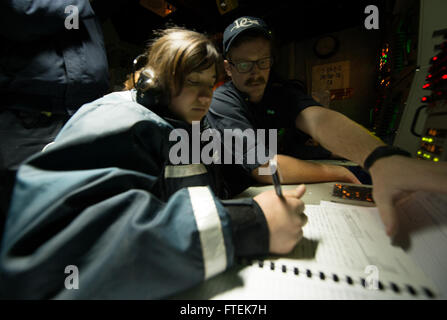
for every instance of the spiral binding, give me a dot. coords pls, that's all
(337, 279)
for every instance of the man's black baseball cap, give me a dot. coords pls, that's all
(241, 25)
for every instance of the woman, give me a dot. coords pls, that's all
(104, 213)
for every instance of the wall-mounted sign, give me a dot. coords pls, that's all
(332, 77)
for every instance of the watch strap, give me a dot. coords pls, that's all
(382, 152)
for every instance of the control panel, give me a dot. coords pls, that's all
(433, 144)
(352, 192)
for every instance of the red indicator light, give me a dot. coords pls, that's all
(424, 99)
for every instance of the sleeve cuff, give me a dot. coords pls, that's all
(249, 226)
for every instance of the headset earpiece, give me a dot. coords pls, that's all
(149, 92)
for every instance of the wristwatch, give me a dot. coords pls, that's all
(382, 152)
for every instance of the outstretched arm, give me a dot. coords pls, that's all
(392, 176)
(296, 171)
(338, 133)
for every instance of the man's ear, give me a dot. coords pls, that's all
(227, 67)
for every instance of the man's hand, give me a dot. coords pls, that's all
(343, 174)
(284, 218)
(394, 177)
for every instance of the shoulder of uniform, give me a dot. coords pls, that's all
(228, 93)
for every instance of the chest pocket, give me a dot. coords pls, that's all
(177, 177)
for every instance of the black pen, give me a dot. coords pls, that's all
(274, 168)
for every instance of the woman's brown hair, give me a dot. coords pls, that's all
(174, 54)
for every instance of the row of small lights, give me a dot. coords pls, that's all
(428, 86)
(427, 156)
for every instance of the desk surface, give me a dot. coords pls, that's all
(314, 193)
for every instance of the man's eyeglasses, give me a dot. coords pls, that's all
(247, 66)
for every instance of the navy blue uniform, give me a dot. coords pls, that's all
(45, 66)
(46, 73)
(106, 198)
(279, 108)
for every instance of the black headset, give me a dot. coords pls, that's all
(149, 91)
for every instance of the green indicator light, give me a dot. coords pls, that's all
(408, 46)
(281, 132)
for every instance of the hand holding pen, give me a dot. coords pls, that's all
(274, 168)
(275, 176)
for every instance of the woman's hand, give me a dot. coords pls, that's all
(285, 218)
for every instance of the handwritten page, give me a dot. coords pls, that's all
(423, 217)
(348, 240)
(423, 223)
(340, 246)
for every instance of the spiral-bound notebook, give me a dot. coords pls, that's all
(344, 254)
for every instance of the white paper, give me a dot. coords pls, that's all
(339, 239)
(423, 217)
(347, 240)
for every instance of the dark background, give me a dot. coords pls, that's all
(291, 20)
(297, 26)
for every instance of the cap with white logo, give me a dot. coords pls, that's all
(241, 25)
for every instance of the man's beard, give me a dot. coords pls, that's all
(251, 81)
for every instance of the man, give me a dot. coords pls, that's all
(255, 99)
(52, 61)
